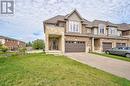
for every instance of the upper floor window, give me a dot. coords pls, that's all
(101, 28)
(74, 26)
(113, 31)
(119, 33)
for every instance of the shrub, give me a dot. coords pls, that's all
(4, 48)
(22, 50)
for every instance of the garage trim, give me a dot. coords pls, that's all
(120, 44)
(75, 46)
(106, 45)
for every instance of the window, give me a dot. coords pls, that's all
(119, 33)
(74, 26)
(101, 28)
(112, 31)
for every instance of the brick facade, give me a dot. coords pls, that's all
(12, 44)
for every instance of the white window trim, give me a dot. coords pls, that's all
(119, 33)
(74, 26)
(113, 31)
(99, 29)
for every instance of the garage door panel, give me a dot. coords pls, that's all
(120, 44)
(72, 46)
(107, 45)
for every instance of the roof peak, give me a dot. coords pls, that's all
(75, 10)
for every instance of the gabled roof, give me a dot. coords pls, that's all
(94, 23)
(88, 23)
(107, 23)
(111, 24)
(124, 26)
(97, 22)
(55, 19)
(74, 11)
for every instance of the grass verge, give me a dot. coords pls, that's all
(113, 56)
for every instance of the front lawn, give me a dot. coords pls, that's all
(50, 70)
(1, 52)
(113, 56)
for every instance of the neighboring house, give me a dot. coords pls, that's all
(12, 44)
(72, 33)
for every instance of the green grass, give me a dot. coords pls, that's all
(49, 70)
(113, 56)
(6, 52)
(2, 52)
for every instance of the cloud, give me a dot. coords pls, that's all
(27, 23)
(36, 34)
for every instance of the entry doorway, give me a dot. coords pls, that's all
(54, 42)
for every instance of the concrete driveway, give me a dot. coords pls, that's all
(113, 66)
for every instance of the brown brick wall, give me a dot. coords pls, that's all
(14, 44)
(84, 29)
(124, 33)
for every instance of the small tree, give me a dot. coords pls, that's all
(38, 44)
(29, 44)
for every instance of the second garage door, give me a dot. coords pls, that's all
(107, 45)
(120, 44)
(74, 46)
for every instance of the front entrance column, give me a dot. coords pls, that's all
(128, 42)
(113, 44)
(93, 44)
(46, 43)
(63, 43)
(101, 46)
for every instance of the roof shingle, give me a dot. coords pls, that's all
(94, 23)
(55, 19)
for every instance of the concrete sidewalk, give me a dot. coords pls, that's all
(117, 67)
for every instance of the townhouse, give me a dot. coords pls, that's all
(73, 33)
(12, 44)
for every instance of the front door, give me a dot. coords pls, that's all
(54, 44)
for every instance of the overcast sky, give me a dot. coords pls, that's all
(27, 22)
